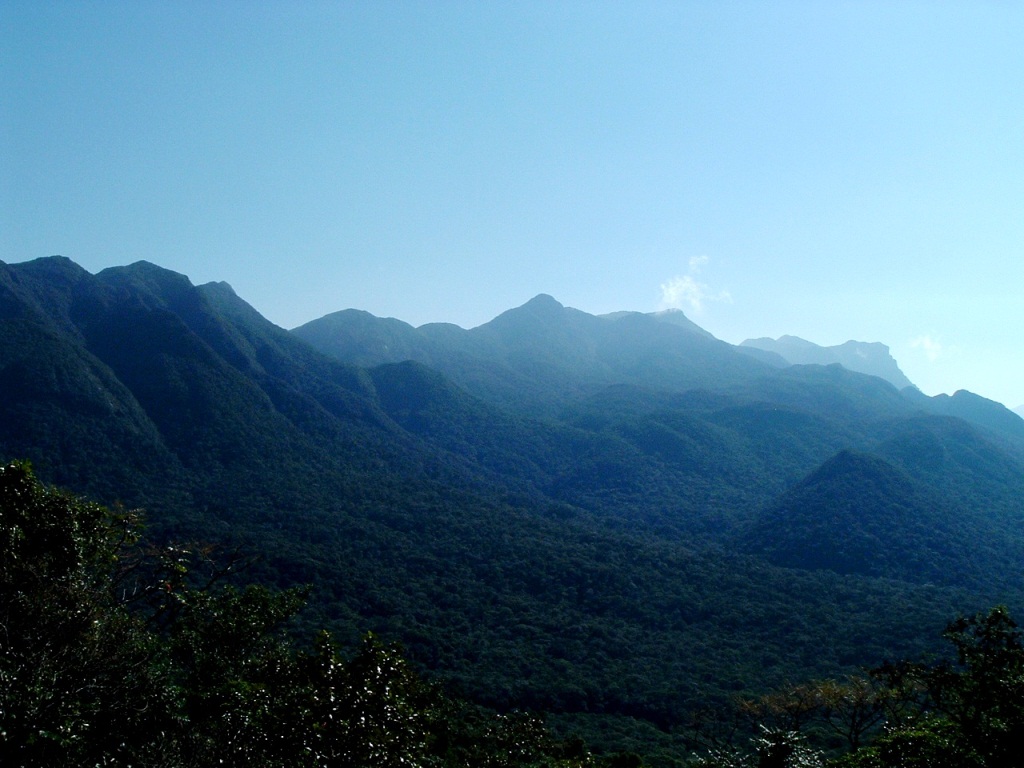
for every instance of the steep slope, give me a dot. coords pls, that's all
(967, 465)
(62, 405)
(139, 373)
(672, 316)
(250, 437)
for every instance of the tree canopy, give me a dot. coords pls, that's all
(966, 711)
(115, 653)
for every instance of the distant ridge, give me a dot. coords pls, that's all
(543, 354)
(973, 408)
(872, 358)
(672, 316)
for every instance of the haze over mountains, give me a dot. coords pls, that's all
(614, 519)
(360, 338)
(871, 358)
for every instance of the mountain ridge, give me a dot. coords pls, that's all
(540, 509)
(461, 354)
(872, 358)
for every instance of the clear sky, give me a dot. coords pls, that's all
(832, 170)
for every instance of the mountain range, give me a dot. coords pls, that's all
(616, 519)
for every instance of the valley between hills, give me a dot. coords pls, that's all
(617, 521)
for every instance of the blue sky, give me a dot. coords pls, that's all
(829, 170)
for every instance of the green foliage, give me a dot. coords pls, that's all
(933, 742)
(974, 712)
(116, 655)
(968, 714)
(773, 748)
(372, 711)
(983, 697)
(81, 681)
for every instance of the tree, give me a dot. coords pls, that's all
(854, 706)
(787, 709)
(243, 691)
(774, 748)
(984, 697)
(851, 707)
(81, 681)
(373, 710)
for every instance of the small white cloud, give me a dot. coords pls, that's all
(932, 347)
(682, 289)
(685, 291)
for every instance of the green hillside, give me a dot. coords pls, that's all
(616, 520)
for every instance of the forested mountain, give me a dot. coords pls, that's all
(619, 520)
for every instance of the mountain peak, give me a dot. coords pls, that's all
(541, 309)
(54, 268)
(543, 301)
